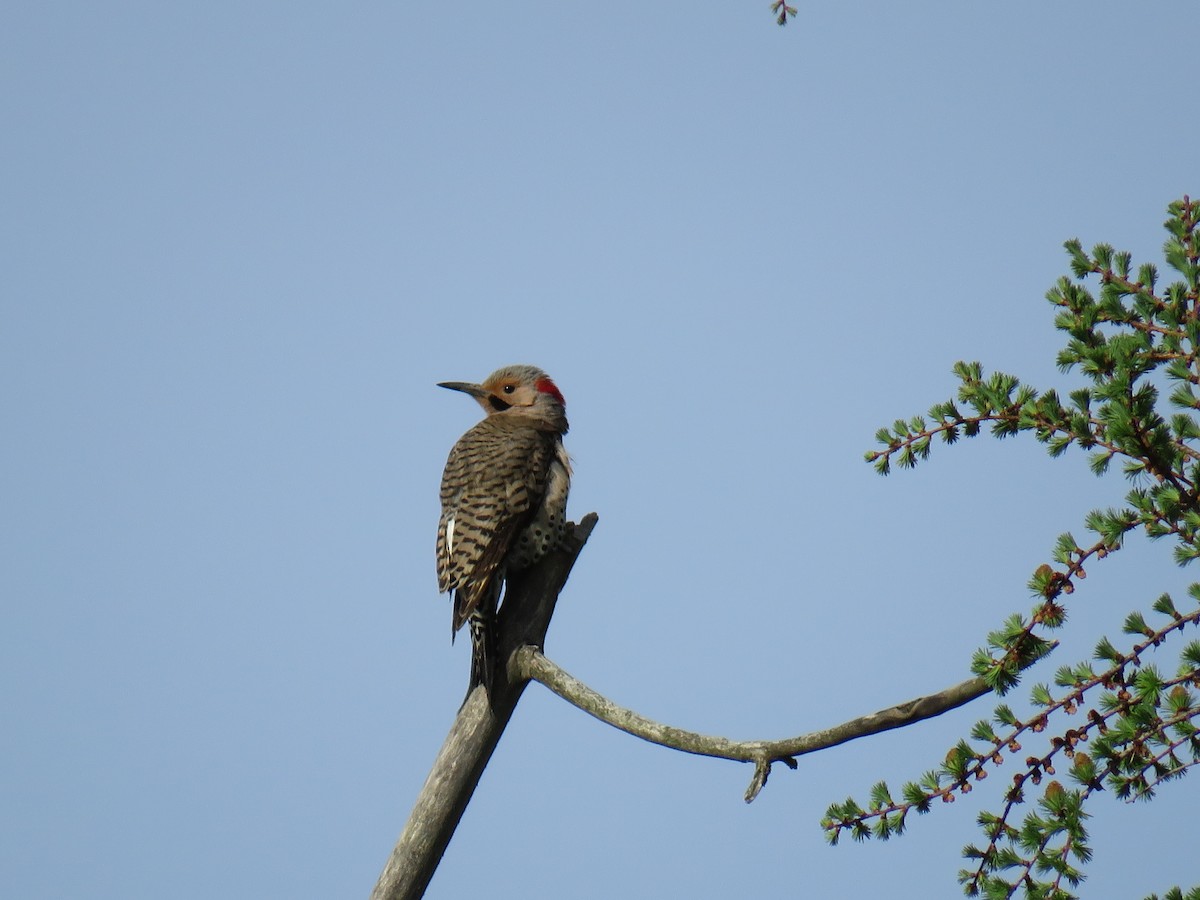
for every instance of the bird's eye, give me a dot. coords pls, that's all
(509, 388)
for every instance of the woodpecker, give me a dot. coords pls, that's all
(504, 499)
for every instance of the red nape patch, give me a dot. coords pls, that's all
(546, 386)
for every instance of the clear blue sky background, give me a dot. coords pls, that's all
(243, 241)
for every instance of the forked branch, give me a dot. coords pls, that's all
(523, 620)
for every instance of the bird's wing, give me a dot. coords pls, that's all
(493, 482)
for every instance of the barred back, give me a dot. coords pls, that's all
(492, 488)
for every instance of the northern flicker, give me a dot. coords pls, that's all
(504, 498)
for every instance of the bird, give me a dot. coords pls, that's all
(504, 497)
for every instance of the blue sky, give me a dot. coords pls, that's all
(242, 244)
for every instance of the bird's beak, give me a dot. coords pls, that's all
(466, 387)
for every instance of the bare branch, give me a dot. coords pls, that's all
(523, 620)
(521, 625)
(530, 663)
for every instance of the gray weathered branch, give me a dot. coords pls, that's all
(522, 623)
(523, 620)
(529, 663)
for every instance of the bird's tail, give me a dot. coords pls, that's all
(482, 623)
(483, 650)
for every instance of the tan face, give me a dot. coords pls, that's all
(513, 387)
(508, 391)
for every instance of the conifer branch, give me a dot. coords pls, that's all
(1128, 339)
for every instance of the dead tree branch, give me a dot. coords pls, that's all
(522, 622)
(529, 663)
